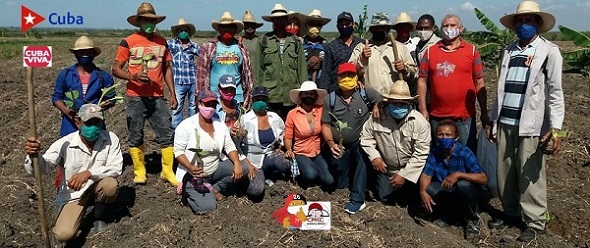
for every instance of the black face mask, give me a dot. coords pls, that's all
(308, 100)
(346, 32)
(379, 35)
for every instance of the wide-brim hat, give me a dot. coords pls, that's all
(249, 18)
(277, 11)
(380, 19)
(228, 19)
(399, 91)
(145, 10)
(308, 86)
(302, 21)
(183, 24)
(84, 43)
(529, 7)
(316, 15)
(404, 18)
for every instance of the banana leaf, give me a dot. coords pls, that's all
(578, 38)
(579, 59)
(489, 50)
(486, 22)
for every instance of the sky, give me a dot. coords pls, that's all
(113, 13)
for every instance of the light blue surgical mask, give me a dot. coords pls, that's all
(398, 112)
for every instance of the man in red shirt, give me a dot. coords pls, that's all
(149, 67)
(452, 71)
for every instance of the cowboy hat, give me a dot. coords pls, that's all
(183, 24)
(228, 19)
(84, 43)
(316, 15)
(404, 18)
(145, 10)
(308, 86)
(302, 19)
(529, 7)
(380, 19)
(277, 11)
(249, 18)
(399, 91)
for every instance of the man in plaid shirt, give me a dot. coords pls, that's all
(183, 52)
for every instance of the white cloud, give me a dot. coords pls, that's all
(467, 6)
(10, 3)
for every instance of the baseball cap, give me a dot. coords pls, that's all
(207, 96)
(346, 67)
(345, 16)
(227, 81)
(89, 111)
(260, 91)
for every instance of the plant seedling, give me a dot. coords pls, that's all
(341, 126)
(109, 91)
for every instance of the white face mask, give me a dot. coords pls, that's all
(450, 33)
(425, 35)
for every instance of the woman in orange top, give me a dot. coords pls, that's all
(303, 133)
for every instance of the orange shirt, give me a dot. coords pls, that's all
(135, 51)
(307, 141)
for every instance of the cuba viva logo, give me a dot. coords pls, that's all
(30, 18)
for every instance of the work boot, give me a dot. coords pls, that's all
(529, 234)
(100, 214)
(167, 163)
(506, 220)
(472, 229)
(138, 157)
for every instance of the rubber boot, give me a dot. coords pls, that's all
(138, 157)
(100, 214)
(167, 163)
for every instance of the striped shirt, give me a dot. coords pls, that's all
(183, 59)
(517, 79)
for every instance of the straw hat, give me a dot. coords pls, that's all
(316, 15)
(277, 11)
(249, 18)
(399, 91)
(302, 19)
(84, 43)
(308, 86)
(404, 18)
(228, 19)
(529, 7)
(145, 10)
(183, 24)
(380, 19)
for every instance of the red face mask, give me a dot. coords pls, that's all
(226, 37)
(292, 29)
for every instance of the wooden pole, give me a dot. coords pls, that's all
(395, 55)
(35, 159)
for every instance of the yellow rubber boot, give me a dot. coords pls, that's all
(167, 163)
(138, 157)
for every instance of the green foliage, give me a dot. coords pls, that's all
(109, 91)
(578, 59)
(341, 126)
(361, 28)
(71, 97)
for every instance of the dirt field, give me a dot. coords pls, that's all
(151, 216)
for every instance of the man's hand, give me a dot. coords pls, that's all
(424, 113)
(70, 114)
(289, 154)
(196, 171)
(173, 102)
(234, 129)
(238, 172)
(78, 180)
(379, 165)
(32, 146)
(491, 137)
(427, 201)
(315, 62)
(140, 77)
(556, 144)
(400, 67)
(451, 180)
(396, 181)
(335, 150)
(366, 50)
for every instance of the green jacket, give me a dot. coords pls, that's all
(279, 73)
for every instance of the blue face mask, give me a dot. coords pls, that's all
(526, 31)
(183, 35)
(91, 132)
(84, 60)
(446, 143)
(397, 112)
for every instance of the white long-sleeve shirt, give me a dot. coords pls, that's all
(72, 156)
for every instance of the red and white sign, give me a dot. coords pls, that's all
(37, 56)
(29, 18)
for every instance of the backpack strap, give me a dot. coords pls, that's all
(332, 97)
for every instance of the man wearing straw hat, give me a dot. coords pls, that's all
(250, 39)
(183, 52)
(296, 24)
(376, 57)
(313, 43)
(403, 26)
(529, 108)
(149, 66)
(223, 55)
(398, 144)
(281, 64)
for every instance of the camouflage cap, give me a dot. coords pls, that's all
(380, 19)
(90, 111)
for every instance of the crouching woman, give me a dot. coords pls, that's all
(200, 142)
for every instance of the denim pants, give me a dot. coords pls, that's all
(183, 92)
(158, 114)
(467, 131)
(463, 193)
(350, 170)
(314, 169)
(272, 164)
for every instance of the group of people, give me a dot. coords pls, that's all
(396, 116)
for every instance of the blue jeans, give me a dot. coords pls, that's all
(157, 112)
(463, 192)
(186, 91)
(314, 168)
(272, 164)
(353, 164)
(467, 131)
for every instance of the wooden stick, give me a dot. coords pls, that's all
(35, 159)
(395, 55)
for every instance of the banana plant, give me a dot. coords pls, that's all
(71, 97)
(578, 59)
(109, 91)
(340, 126)
(361, 28)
